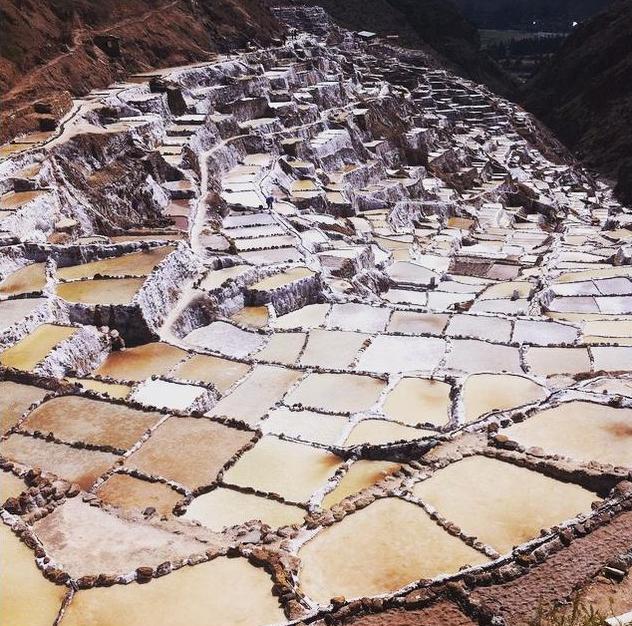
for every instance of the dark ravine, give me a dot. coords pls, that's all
(585, 94)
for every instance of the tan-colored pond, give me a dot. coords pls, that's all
(15, 399)
(190, 451)
(221, 508)
(133, 264)
(282, 348)
(74, 418)
(222, 592)
(141, 362)
(418, 400)
(305, 425)
(501, 504)
(253, 316)
(361, 474)
(336, 392)
(310, 316)
(282, 278)
(581, 430)
(26, 597)
(221, 373)
(292, 470)
(33, 348)
(10, 486)
(128, 492)
(379, 549)
(376, 432)
(111, 389)
(24, 280)
(483, 393)
(332, 349)
(100, 291)
(77, 465)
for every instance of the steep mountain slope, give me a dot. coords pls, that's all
(55, 49)
(422, 23)
(585, 93)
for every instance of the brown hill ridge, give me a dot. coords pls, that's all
(51, 50)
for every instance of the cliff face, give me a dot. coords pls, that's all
(425, 24)
(52, 50)
(585, 94)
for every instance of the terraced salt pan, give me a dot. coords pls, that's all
(127, 492)
(15, 399)
(190, 451)
(221, 373)
(377, 432)
(209, 594)
(10, 486)
(74, 418)
(252, 398)
(226, 339)
(379, 549)
(80, 466)
(501, 504)
(337, 393)
(292, 470)
(140, 362)
(164, 394)
(134, 264)
(552, 361)
(252, 316)
(332, 349)
(471, 356)
(402, 354)
(282, 348)
(581, 430)
(310, 316)
(306, 425)
(100, 291)
(221, 508)
(14, 311)
(21, 582)
(489, 328)
(361, 474)
(215, 279)
(417, 400)
(111, 389)
(281, 279)
(24, 280)
(412, 322)
(483, 393)
(29, 351)
(358, 317)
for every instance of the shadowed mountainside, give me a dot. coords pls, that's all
(585, 94)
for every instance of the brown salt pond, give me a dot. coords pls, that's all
(190, 451)
(222, 508)
(253, 316)
(76, 465)
(221, 373)
(24, 280)
(33, 348)
(291, 470)
(127, 492)
(26, 597)
(10, 486)
(135, 364)
(502, 504)
(74, 418)
(584, 431)
(209, 594)
(100, 291)
(15, 399)
(361, 474)
(483, 393)
(418, 400)
(337, 393)
(133, 264)
(281, 279)
(379, 549)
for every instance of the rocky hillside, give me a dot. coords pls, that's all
(51, 50)
(585, 93)
(425, 23)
